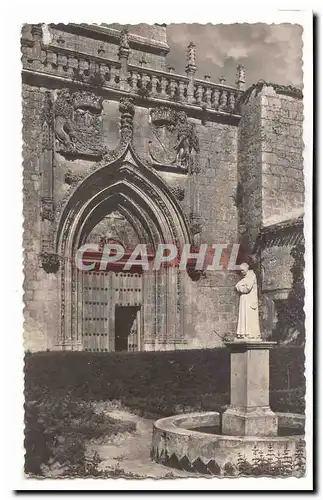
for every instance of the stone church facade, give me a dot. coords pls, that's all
(118, 147)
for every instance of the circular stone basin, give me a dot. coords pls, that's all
(193, 442)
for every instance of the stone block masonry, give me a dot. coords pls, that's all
(271, 189)
(282, 160)
(101, 117)
(270, 162)
(40, 289)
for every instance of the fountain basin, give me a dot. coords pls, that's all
(190, 442)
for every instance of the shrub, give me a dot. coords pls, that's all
(273, 463)
(157, 383)
(56, 433)
(292, 400)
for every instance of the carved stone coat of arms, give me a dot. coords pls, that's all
(78, 123)
(173, 141)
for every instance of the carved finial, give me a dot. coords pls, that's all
(222, 80)
(191, 58)
(124, 44)
(171, 69)
(207, 77)
(241, 77)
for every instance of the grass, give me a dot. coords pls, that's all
(57, 431)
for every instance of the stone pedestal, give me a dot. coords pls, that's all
(249, 413)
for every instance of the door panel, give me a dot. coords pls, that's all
(105, 293)
(95, 311)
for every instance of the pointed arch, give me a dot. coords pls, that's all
(126, 184)
(126, 179)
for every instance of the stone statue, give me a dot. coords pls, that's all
(248, 322)
(186, 140)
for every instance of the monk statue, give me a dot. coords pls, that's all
(248, 322)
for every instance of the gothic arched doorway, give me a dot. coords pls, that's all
(115, 310)
(113, 299)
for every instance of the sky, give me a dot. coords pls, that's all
(268, 52)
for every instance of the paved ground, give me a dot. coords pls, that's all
(131, 451)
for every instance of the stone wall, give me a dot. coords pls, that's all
(280, 279)
(217, 178)
(215, 307)
(104, 43)
(282, 161)
(40, 289)
(249, 189)
(214, 310)
(211, 304)
(155, 32)
(270, 162)
(282, 200)
(271, 188)
(217, 182)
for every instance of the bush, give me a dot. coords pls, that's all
(273, 463)
(292, 400)
(56, 433)
(97, 376)
(157, 383)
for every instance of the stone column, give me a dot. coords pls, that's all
(249, 413)
(36, 51)
(49, 259)
(123, 58)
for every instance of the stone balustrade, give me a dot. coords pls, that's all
(58, 61)
(62, 62)
(158, 84)
(215, 96)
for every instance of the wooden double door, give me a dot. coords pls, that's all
(111, 311)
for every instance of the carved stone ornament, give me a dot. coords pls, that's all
(187, 140)
(47, 209)
(127, 111)
(50, 262)
(174, 141)
(124, 47)
(195, 224)
(191, 56)
(164, 116)
(36, 31)
(47, 123)
(78, 124)
(178, 191)
(71, 177)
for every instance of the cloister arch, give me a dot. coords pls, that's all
(140, 194)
